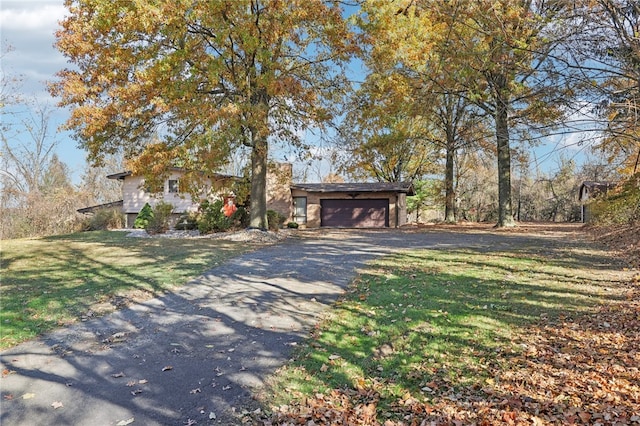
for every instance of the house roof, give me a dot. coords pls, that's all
(93, 209)
(591, 188)
(403, 187)
(122, 175)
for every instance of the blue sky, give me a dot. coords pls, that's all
(28, 26)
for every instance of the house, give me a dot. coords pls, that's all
(134, 195)
(311, 205)
(588, 191)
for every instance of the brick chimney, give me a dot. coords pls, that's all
(279, 180)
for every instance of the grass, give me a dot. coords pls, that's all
(426, 325)
(54, 281)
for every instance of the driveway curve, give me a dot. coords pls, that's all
(195, 356)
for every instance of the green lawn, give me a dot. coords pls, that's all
(428, 331)
(54, 281)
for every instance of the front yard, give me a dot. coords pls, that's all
(510, 336)
(54, 281)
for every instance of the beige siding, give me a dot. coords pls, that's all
(135, 197)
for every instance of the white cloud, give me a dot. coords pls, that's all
(27, 16)
(28, 28)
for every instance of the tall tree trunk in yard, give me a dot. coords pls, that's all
(450, 195)
(258, 212)
(505, 212)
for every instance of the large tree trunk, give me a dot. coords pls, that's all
(450, 195)
(505, 213)
(258, 211)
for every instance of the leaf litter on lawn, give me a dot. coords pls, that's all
(582, 368)
(585, 371)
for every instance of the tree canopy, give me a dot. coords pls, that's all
(207, 77)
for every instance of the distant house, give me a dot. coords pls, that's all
(590, 190)
(312, 205)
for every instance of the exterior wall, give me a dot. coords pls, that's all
(135, 197)
(279, 197)
(397, 205)
(401, 209)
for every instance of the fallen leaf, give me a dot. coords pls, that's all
(212, 415)
(136, 392)
(57, 404)
(324, 368)
(117, 375)
(28, 395)
(143, 381)
(125, 422)
(194, 391)
(167, 368)
(334, 357)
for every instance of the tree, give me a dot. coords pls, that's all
(99, 190)
(28, 150)
(37, 197)
(207, 76)
(386, 134)
(611, 51)
(505, 58)
(408, 112)
(522, 82)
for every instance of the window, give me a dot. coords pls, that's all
(173, 186)
(300, 209)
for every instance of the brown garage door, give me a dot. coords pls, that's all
(372, 213)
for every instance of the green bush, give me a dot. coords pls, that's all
(275, 219)
(143, 217)
(211, 219)
(159, 222)
(292, 225)
(105, 219)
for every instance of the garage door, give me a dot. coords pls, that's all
(373, 213)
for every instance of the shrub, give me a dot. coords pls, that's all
(292, 225)
(105, 219)
(619, 206)
(143, 217)
(159, 222)
(211, 218)
(187, 222)
(240, 218)
(275, 220)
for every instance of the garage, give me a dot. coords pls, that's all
(363, 213)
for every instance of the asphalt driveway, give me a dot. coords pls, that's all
(197, 354)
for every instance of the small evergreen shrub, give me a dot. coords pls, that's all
(211, 219)
(143, 217)
(105, 219)
(292, 225)
(159, 222)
